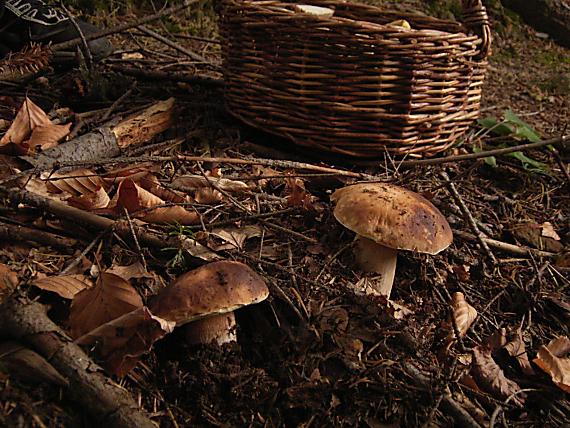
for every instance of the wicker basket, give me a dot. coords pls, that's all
(354, 83)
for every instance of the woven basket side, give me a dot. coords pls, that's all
(349, 86)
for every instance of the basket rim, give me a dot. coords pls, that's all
(279, 10)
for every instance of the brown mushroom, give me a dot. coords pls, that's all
(388, 218)
(206, 297)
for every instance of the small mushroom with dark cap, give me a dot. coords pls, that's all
(204, 300)
(388, 218)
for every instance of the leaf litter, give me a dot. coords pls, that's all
(317, 351)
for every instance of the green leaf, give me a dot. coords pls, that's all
(523, 129)
(499, 128)
(528, 162)
(489, 160)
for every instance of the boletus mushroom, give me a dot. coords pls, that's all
(204, 300)
(388, 218)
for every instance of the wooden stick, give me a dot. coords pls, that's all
(505, 246)
(467, 214)
(172, 44)
(17, 233)
(495, 152)
(109, 404)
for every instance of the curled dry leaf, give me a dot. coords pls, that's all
(152, 184)
(76, 183)
(135, 270)
(491, 379)
(463, 313)
(32, 128)
(96, 200)
(139, 202)
(548, 231)
(236, 236)
(554, 359)
(27, 365)
(124, 340)
(110, 298)
(208, 196)
(133, 172)
(66, 286)
(297, 195)
(516, 349)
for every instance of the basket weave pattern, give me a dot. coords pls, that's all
(350, 83)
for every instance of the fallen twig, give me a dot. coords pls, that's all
(163, 75)
(10, 233)
(505, 246)
(172, 44)
(465, 211)
(495, 152)
(110, 404)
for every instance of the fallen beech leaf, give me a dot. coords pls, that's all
(549, 232)
(554, 359)
(490, 377)
(195, 249)
(137, 201)
(67, 286)
(192, 182)
(125, 339)
(30, 117)
(515, 348)
(171, 215)
(96, 200)
(76, 183)
(110, 298)
(150, 182)
(297, 195)
(531, 233)
(236, 236)
(464, 315)
(27, 365)
(39, 187)
(47, 136)
(135, 270)
(208, 196)
(8, 282)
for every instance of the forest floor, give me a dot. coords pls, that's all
(315, 353)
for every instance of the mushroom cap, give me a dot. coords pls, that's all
(392, 216)
(213, 289)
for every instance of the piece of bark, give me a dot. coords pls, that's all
(110, 140)
(549, 16)
(110, 404)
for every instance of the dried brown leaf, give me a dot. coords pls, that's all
(27, 365)
(135, 270)
(297, 195)
(208, 196)
(29, 116)
(76, 183)
(463, 313)
(152, 184)
(97, 200)
(132, 172)
(67, 286)
(124, 340)
(491, 379)
(549, 232)
(554, 359)
(32, 128)
(531, 233)
(8, 282)
(236, 236)
(516, 349)
(47, 136)
(110, 298)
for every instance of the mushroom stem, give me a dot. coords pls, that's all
(375, 258)
(217, 328)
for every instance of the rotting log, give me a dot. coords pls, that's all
(107, 402)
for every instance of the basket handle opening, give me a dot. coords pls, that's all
(475, 18)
